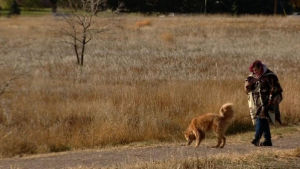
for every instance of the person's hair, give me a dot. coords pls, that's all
(256, 64)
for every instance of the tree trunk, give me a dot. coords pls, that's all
(83, 46)
(205, 3)
(92, 6)
(76, 52)
(53, 6)
(275, 7)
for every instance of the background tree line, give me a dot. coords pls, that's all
(212, 6)
(177, 6)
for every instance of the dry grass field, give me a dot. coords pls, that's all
(143, 80)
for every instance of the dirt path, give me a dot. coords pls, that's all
(132, 155)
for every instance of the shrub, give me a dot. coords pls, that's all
(14, 9)
(5, 4)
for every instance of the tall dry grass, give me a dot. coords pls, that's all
(134, 86)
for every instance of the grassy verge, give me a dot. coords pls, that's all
(260, 159)
(29, 12)
(3, 13)
(36, 12)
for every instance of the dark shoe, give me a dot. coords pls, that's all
(255, 142)
(266, 143)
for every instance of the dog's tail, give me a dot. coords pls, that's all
(227, 111)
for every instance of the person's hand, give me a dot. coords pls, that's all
(246, 83)
(264, 112)
(270, 100)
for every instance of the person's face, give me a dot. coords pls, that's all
(257, 71)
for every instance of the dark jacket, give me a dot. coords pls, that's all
(265, 87)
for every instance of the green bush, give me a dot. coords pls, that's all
(31, 4)
(5, 4)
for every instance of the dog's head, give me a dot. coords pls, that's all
(189, 136)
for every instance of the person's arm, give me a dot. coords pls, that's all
(273, 80)
(247, 86)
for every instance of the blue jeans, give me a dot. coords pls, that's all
(262, 128)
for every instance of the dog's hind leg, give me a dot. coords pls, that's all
(217, 132)
(219, 142)
(223, 140)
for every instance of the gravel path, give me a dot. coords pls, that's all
(131, 155)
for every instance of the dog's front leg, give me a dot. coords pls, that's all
(197, 135)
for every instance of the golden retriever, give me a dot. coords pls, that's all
(218, 123)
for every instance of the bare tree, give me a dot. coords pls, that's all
(53, 6)
(11, 81)
(77, 27)
(7, 83)
(275, 7)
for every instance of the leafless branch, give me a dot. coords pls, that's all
(13, 77)
(120, 8)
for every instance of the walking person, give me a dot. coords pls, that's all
(265, 94)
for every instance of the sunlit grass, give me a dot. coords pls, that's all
(137, 83)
